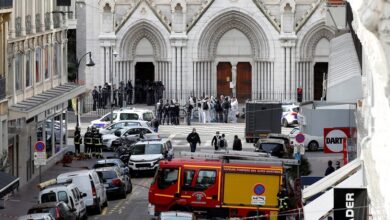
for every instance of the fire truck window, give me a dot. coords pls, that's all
(188, 176)
(168, 177)
(206, 178)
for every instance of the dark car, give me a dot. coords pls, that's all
(113, 163)
(59, 210)
(115, 183)
(275, 147)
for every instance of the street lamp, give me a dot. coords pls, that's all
(89, 63)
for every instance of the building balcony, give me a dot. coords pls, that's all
(6, 4)
(2, 88)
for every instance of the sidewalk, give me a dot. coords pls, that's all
(27, 196)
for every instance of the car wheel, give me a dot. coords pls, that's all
(285, 123)
(313, 146)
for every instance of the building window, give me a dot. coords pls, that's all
(28, 70)
(38, 65)
(38, 23)
(46, 62)
(18, 71)
(56, 59)
(28, 24)
(18, 26)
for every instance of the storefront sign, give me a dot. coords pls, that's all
(350, 203)
(333, 139)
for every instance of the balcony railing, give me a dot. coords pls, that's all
(6, 4)
(2, 88)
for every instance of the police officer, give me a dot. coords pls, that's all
(160, 108)
(98, 144)
(171, 113)
(115, 95)
(166, 112)
(121, 92)
(77, 140)
(283, 202)
(177, 113)
(100, 97)
(129, 93)
(95, 97)
(88, 143)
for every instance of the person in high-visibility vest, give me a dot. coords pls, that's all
(88, 143)
(77, 140)
(98, 144)
(283, 200)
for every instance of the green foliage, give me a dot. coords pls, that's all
(304, 169)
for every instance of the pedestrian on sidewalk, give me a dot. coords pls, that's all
(77, 140)
(234, 111)
(226, 108)
(193, 138)
(189, 112)
(330, 168)
(215, 140)
(223, 144)
(237, 145)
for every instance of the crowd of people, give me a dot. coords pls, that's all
(219, 142)
(144, 92)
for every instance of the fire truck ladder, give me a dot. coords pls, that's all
(239, 155)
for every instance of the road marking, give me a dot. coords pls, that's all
(172, 136)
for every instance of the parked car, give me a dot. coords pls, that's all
(131, 133)
(275, 147)
(88, 182)
(65, 192)
(112, 163)
(123, 114)
(146, 154)
(37, 216)
(177, 215)
(109, 129)
(114, 181)
(289, 115)
(312, 143)
(59, 210)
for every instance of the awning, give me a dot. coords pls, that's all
(44, 101)
(7, 183)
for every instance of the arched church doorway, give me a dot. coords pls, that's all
(320, 71)
(144, 76)
(224, 76)
(244, 81)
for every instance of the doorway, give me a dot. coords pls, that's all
(244, 81)
(144, 77)
(319, 70)
(224, 77)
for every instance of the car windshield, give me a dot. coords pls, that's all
(128, 116)
(148, 116)
(98, 165)
(48, 197)
(50, 210)
(295, 110)
(269, 147)
(141, 149)
(107, 174)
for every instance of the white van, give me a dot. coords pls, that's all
(123, 114)
(65, 192)
(88, 182)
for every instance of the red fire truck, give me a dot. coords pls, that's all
(218, 185)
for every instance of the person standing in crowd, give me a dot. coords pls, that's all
(193, 138)
(98, 144)
(115, 95)
(212, 109)
(206, 110)
(215, 140)
(88, 142)
(155, 124)
(171, 112)
(120, 94)
(226, 107)
(160, 107)
(330, 168)
(223, 144)
(177, 113)
(166, 113)
(218, 111)
(237, 145)
(200, 110)
(189, 111)
(77, 140)
(234, 111)
(95, 97)
(100, 98)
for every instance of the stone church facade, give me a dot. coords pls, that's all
(252, 49)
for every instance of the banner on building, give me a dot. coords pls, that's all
(350, 203)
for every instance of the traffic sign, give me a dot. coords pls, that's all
(40, 146)
(40, 158)
(300, 138)
(259, 189)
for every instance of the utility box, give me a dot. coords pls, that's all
(262, 118)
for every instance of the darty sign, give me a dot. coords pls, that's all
(333, 139)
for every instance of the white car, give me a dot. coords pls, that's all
(289, 115)
(64, 192)
(131, 133)
(37, 216)
(312, 143)
(88, 182)
(123, 114)
(146, 154)
(109, 129)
